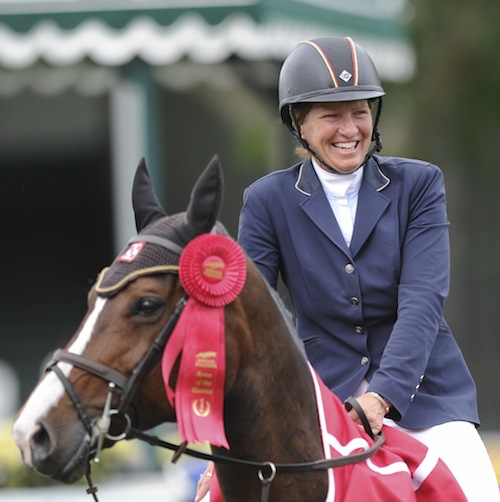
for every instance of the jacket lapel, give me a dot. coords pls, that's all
(317, 207)
(371, 205)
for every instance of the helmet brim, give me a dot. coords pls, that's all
(336, 95)
(331, 96)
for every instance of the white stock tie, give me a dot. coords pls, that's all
(342, 193)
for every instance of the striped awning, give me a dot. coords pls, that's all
(113, 32)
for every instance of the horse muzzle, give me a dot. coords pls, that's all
(63, 460)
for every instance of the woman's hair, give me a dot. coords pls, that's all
(300, 110)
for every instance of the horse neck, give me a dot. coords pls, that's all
(272, 398)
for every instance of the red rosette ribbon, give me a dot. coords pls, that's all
(213, 269)
(212, 272)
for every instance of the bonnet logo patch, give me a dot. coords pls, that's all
(345, 76)
(132, 252)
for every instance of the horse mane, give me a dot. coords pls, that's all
(174, 227)
(288, 318)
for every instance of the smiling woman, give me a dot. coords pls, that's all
(361, 242)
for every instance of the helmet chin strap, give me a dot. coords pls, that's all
(376, 137)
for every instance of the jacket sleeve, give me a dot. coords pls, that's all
(422, 291)
(257, 237)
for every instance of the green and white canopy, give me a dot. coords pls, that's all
(113, 32)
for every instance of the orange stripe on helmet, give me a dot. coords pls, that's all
(354, 59)
(325, 60)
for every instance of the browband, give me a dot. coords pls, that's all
(159, 241)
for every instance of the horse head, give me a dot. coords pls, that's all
(114, 360)
(131, 301)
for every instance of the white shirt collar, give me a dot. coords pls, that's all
(338, 184)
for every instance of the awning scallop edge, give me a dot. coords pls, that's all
(190, 36)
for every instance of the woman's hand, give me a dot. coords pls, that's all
(203, 486)
(374, 411)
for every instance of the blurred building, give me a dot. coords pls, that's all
(88, 87)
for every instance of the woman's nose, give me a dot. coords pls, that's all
(347, 126)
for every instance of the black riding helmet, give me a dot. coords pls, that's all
(328, 69)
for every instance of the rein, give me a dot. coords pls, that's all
(260, 467)
(98, 429)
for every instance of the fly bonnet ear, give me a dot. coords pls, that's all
(206, 199)
(147, 209)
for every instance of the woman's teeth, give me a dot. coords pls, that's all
(346, 146)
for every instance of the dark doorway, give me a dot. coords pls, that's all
(56, 221)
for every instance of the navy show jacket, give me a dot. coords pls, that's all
(373, 310)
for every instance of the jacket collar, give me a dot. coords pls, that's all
(308, 182)
(371, 206)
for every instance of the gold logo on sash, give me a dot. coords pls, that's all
(201, 407)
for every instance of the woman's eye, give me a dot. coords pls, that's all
(147, 307)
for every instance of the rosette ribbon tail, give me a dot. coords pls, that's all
(212, 270)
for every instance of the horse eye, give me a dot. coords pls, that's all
(147, 307)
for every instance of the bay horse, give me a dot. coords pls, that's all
(183, 328)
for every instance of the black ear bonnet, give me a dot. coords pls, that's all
(161, 239)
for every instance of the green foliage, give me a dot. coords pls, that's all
(123, 457)
(457, 81)
(449, 116)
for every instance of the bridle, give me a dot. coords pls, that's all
(119, 383)
(126, 386)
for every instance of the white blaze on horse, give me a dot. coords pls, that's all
(182, 327)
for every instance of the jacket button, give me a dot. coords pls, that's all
(412, 397)
(364, 361)
(354, 301)
(421, 379)
(349, 269)
(359, 330)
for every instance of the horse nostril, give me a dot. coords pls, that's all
(41, 445)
